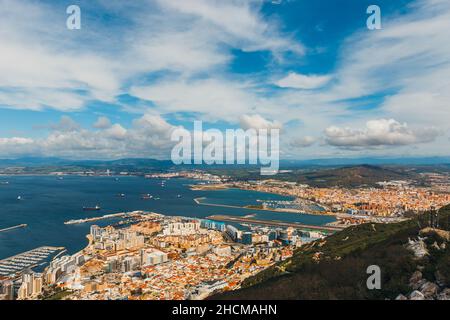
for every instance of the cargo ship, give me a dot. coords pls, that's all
(96, 208)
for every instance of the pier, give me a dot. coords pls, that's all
(15, 265)
(107, 216)
(275, 223)
(23, 225)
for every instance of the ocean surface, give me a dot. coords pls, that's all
(46, 202)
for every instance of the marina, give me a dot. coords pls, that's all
(17, 264)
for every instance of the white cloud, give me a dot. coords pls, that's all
(380, 132)
(410, 58)
(239, 22)
(44, 65)
(116, 131)
(66, 124)
(218, 99)
(17, 146)
(102, 123)
(149, 136)
(256, 121)
(300, 81)
(303, 142)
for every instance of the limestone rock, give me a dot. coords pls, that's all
(444, 295)
(416, 295)
(440, 280)
(415, 277)
(429, 289)
(416, 281)
(418, 247)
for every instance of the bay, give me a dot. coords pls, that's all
(47, 202)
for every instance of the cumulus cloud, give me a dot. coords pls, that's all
(380, 132)
(300, 81)
(102, 123)
(180, 53)
(256, 121)
(66, 124)
(116, 131)
(17, 146)
(149, 136)
(303, 142)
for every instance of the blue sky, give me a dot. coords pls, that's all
(138, 70)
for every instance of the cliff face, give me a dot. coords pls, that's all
(335, 268)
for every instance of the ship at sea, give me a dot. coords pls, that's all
(96, 208)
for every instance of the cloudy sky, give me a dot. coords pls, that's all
(139, 69)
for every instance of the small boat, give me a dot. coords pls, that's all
(146, 196)
(121, 195)
(179, 196)
(96, 208)
(19, 198)
(4, 182)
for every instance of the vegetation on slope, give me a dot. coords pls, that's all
(335, 268)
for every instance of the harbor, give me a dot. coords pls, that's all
(15, 265)
(55, 217)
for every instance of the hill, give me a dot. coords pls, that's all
(352, 176)
(335, 268)
(346, 176)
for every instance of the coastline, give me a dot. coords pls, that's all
(251, 207)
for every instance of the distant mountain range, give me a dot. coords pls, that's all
(372, 161)
(53, 161)
(44, 162)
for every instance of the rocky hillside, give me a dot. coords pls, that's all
(414, 262)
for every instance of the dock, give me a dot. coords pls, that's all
(275, 223)
(15, 265)
(23, 225)
(107, 216)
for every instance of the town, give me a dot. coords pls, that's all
(158, 257)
